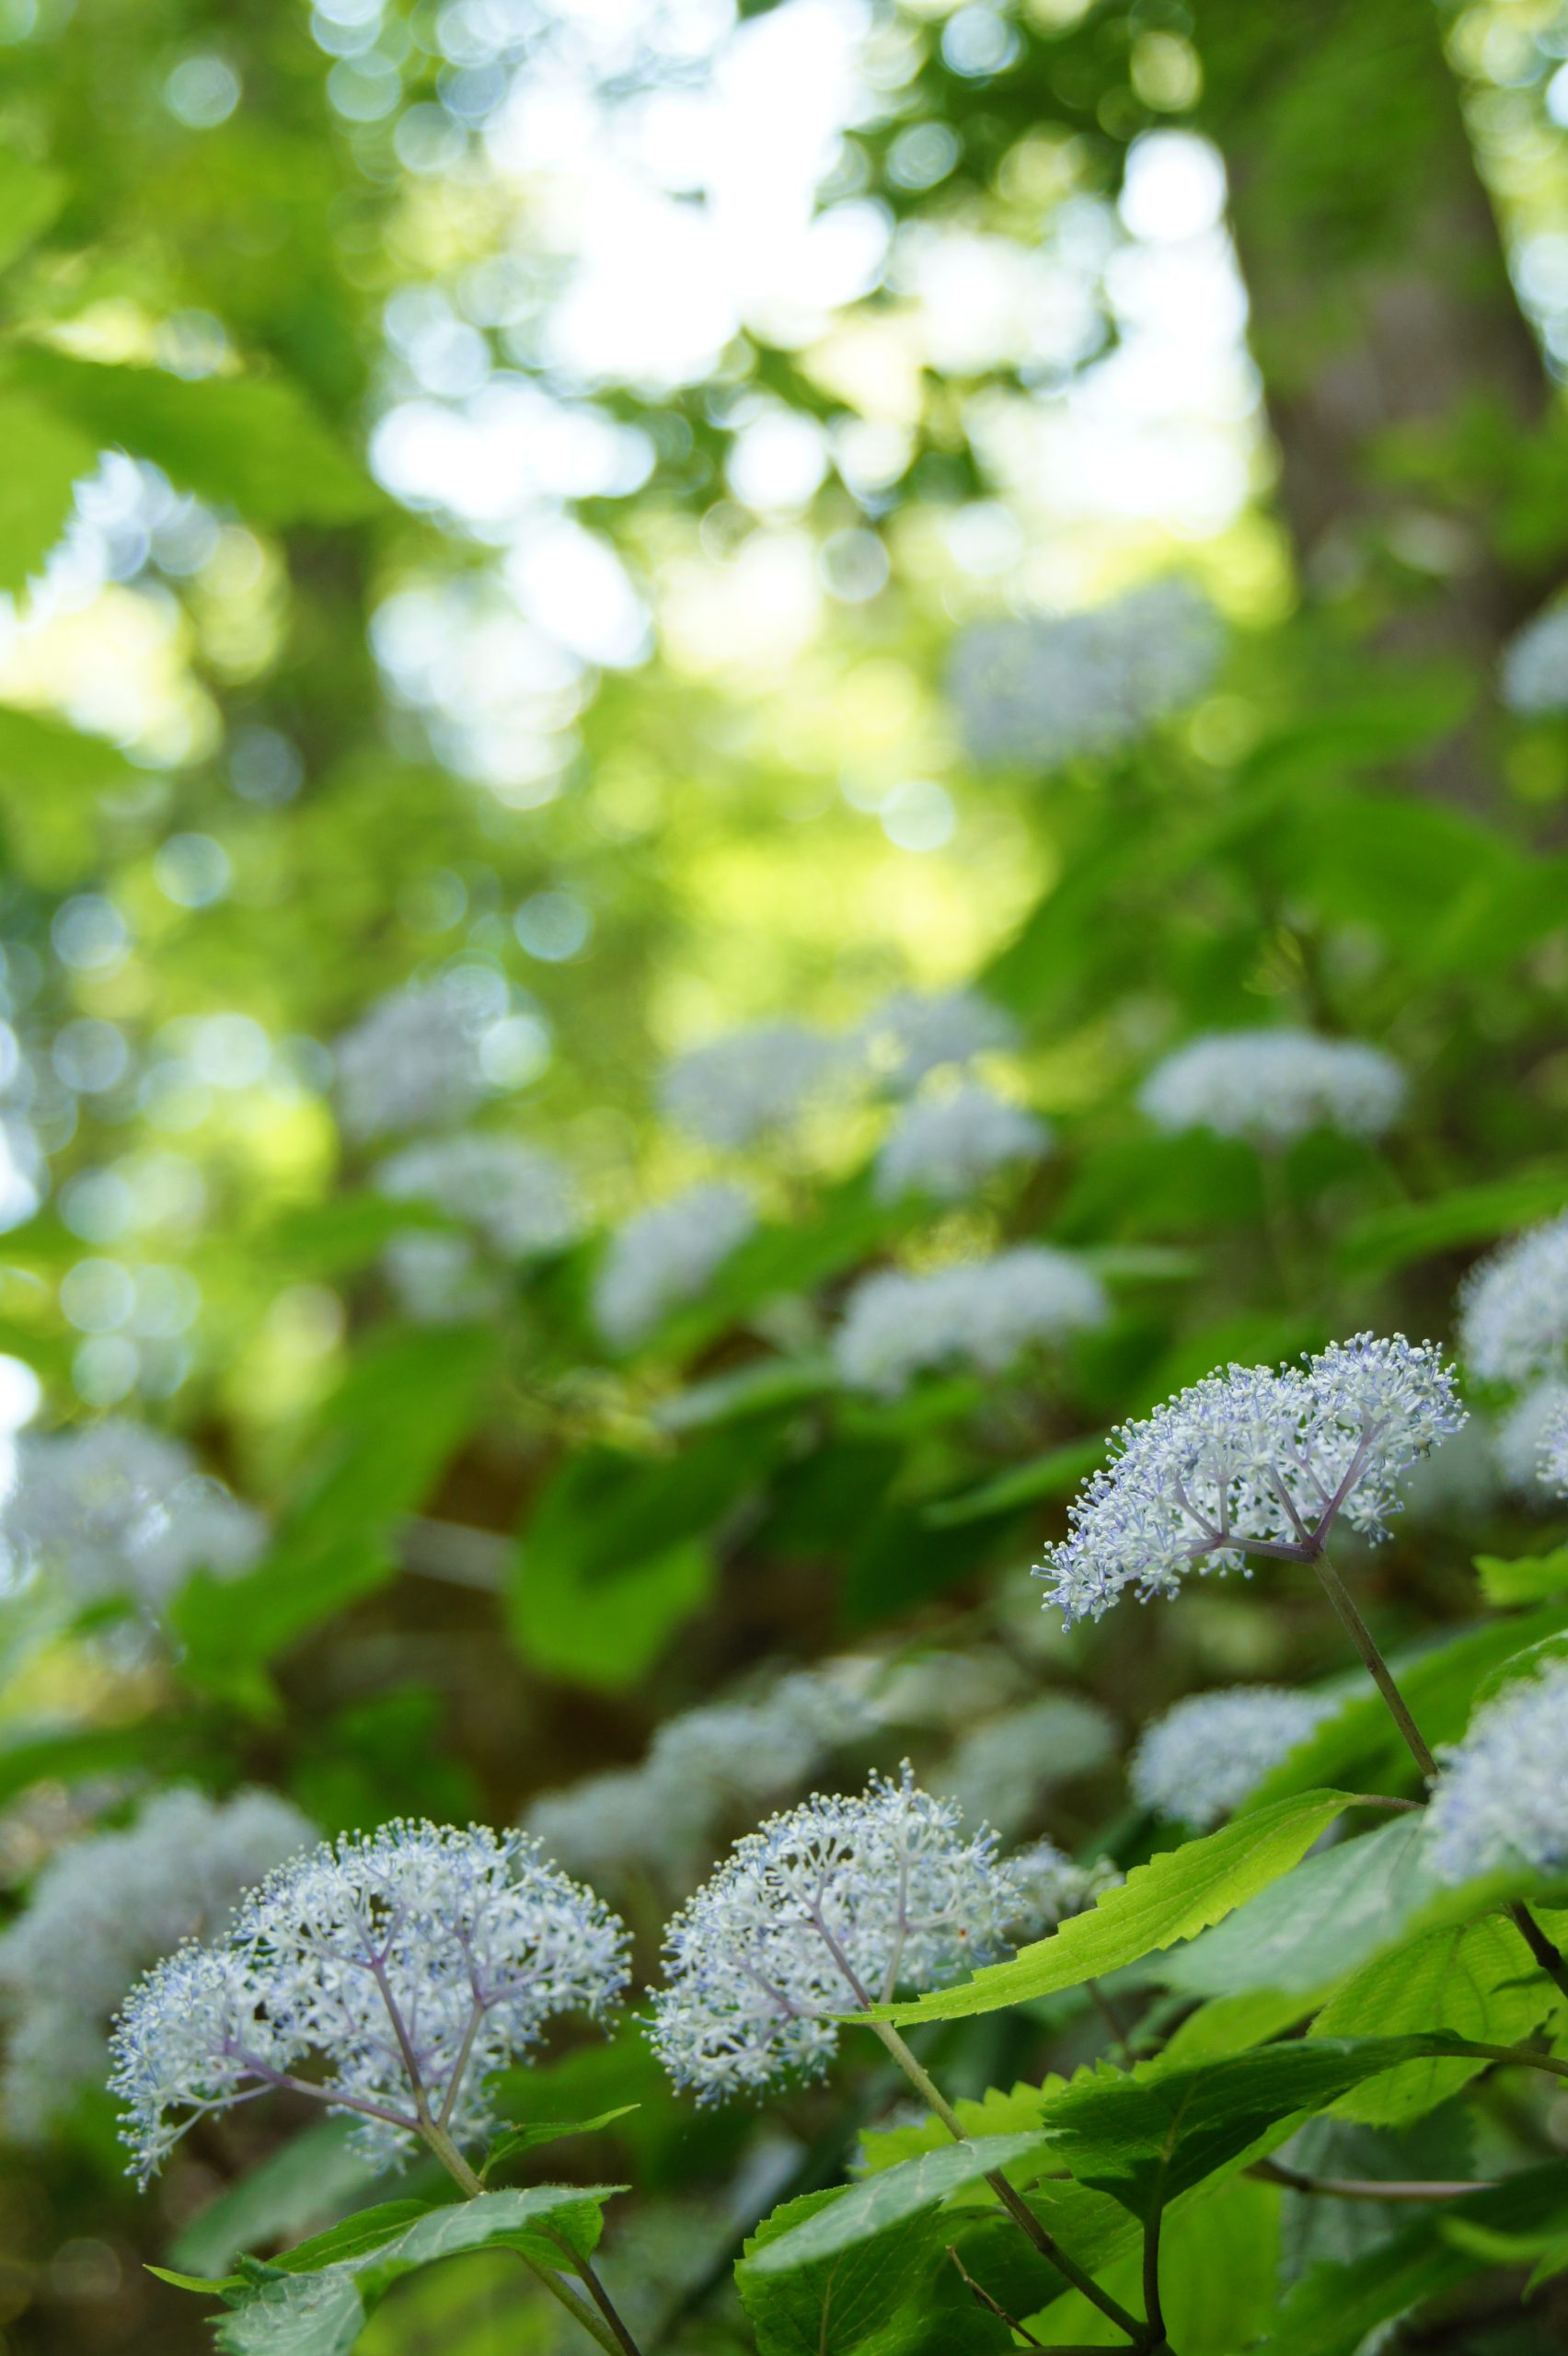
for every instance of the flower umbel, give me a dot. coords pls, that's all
(982, 1313)
(1501, 1797)
(1514, 1307)
(946, 1146)
(1198, 1763)
(113, 1508)
(1253, 1461)
(405, 1965)
(1272, 1086)
(737, 1088)
(1051, 1886)
(828, 1909)
(662, 1258)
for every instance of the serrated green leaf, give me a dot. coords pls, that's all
(288, 2193)
(1173, 1896)
(520, 2140)
(896, 2296)
(892, 2196)
(1315, 1923)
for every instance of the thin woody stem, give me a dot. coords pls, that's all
(1014, 2202)
(1335, 2188)
(978, 2291)
(613, 2341)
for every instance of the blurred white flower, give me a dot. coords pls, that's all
(1001, 1771)
(438, 1279)
(1035, 694)
(1535, 665)
(112, 1508)
(1198, 1763)
(947, 1146)
(662, 1258)
(1274, 1086)
(1523, 1435)
(1514, 1307)
(516, 1196)
(1051, 1886)
(913, 1033)
(751, 1083)
(983, 1314)
(1501, 1798)
(425, 1055)
(105, 1908)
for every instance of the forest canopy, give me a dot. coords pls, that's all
(783, 1214)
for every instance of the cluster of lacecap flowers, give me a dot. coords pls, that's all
(947, 1146)
(981, 1314)
(1272, 1087)
(661, 1260)
(1198, 1763)
(423, 1056)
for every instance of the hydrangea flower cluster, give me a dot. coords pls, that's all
(702, 1769)
(113, 1508)
(1535, 665)
(405, 1965)
(104, 1908)
(516, 1197)
(1198, 1763)
(834, 1906)
(1005, 1766)
(420, 1058)
(1272, 1087)
(982, 1313)
(1501, 1798)
(1555, 1449)
(662, 1258)
(915, 1032)
(1040, 692)
(751, 1083)
(1051, 1886)
(1523, 1438)
(439, 1279)
(1253, 1461)
(947, 1146)
(1514, 1307)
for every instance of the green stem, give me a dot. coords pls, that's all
(441, 2143)
(1012, 2201)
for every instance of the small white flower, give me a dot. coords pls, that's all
(982, 1313)
(663, 1258)
(516, 1197)
(947, 1146)
(914, 1033)
(417, 1059)
(438, 1279)
(1003, 1768)
(833, 1906)
(1555, 1451)
(1253, 1461)
(1051, 1886)
(112, 1508)
(1535, 663)
(1523, 1437)
(1274, 1086)
(104, 1908)
(1040, 692)
(740, 1087)
(1514, 1307)
(1198, 1763)
(1501, 1797)
(403, 1967)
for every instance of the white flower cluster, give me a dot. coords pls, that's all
(423, 1056)
(1198, 1763)
(1040, 692)
(1555, 1449)
(981, 1313)
(947, 1146)
(113, 1508)
(516, 1197)
(751, 1083)
(915, 1032)
(104, 1908)
(1272, 1086)
(1253, 1461)
(1523, 1438)
(836, 1905)
(1050, 1885)
(1514, 1308)
(660, 1259)
(1535, 663)
(439, 1279)
(1501, 1797)
(402, 1967)
(1002, 1770)
(702, 1769)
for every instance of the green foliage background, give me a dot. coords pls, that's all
(502, 1554)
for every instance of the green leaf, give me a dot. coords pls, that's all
(1148, 2139)
(46, 454)
(1055, 1474)
(616, 1553)
(1332, 2310)
(1386, 1240)
(519, 2139)
(290, 2191)
(31, 196)
(1476, 1979)
(1173, 1896)
(316, 2300)
(251, 441)
(1523, 1579)
(751, 1391)
(1321, 1921)
(898, 2294)
(891, 2196)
